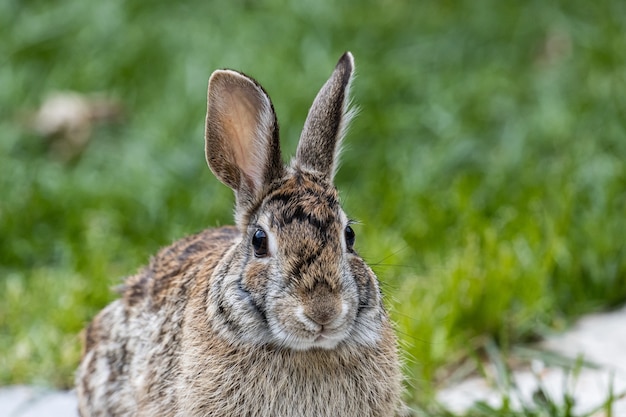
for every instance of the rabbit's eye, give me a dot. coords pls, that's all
(349, 233)
(259, 243)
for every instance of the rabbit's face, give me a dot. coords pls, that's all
(312, 288)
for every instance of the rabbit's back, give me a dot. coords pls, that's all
(132, 347)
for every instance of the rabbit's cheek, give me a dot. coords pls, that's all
(284, 325)
(367, 284)
(255, 277)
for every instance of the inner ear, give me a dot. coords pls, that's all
(242, 144)
(244, 124)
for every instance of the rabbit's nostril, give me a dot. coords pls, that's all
(323, 316)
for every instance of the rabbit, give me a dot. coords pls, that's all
(276, 316)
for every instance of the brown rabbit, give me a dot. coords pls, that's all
(276, 316)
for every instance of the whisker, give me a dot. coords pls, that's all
(390, 255)
(414, 338)
(394, 265)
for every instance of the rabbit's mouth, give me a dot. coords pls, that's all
(324, 338)
(327, 333)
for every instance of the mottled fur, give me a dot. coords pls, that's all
(213, 328)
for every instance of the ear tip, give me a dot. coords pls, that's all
(228, 81)
(224, 76)
(346, 61)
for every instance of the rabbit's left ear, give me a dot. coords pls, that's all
(326, 122)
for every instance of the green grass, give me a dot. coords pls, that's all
(487, 163)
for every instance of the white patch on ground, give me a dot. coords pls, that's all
(21, 401)
(598, 338)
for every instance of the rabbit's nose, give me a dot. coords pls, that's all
(324, 306)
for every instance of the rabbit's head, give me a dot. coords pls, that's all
(294, 279)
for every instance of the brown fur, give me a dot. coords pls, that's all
(212, 328)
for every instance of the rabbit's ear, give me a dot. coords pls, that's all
(326, 122)
(242, 144)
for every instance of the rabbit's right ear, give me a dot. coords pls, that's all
(241, 137)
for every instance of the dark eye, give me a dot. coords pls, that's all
(259, 243)
(349, 233)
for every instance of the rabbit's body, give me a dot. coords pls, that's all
(275, 317)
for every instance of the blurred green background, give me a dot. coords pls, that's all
(487, 163)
